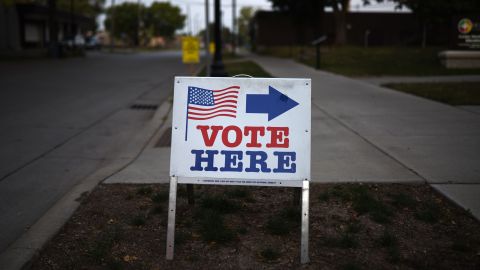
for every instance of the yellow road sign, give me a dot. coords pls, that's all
(212, 47)
(190, 50)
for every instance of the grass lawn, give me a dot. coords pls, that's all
(243, 67)
(459, 93)
(375, 61)
(246, 67)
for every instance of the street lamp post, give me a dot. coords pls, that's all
(234, 27)
(139, 24)
(112, 27)
(218, 69)
(53, 46)
(207, 37)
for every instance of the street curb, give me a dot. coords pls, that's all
(20, 254)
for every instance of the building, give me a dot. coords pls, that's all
(271, 28)
(25, 26)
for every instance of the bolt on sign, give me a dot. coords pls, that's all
(241, 131)
(190, 50)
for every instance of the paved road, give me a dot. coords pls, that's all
(63, 119)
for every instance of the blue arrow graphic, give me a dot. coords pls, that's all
(274, 103)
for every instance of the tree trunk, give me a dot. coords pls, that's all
(53, 46)
(340, 15)
(317, 18)
(424, 34)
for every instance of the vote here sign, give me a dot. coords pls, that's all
(241, 131)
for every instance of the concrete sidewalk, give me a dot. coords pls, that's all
(365, 133)
(409, 138)
(422, 79)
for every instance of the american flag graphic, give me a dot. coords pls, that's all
(204, 104)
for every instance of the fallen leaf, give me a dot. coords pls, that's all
(128, 258)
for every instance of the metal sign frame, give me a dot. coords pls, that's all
(303, 183)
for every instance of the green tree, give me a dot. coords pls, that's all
(126, 21)
(246, 14)
(163, 19)
(89, 8)
(308, 13)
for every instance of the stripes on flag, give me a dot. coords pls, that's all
(204, 104)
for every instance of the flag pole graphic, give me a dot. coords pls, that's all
(186, 124)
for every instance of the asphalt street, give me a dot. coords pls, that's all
(61, 120)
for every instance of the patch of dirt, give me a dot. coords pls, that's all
(352, 226)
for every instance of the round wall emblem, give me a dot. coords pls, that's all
(465, 25)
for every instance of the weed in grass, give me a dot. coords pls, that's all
(238, 192)
(277, 225)
(129, 197)
(188, 223)
(270, 254)
(182, 191)
(324, 196)
(390, 241)
(393, 254)
(381, 215)
(346, 240)
(138, 220)
(220, 204)
(193, 258)
(461, 244)
(158, 209)
(284, 221)
(114, 265)
(145, 191)
(160, 197)
(291, 214)
(212, 227)
(348, 192)
(104, 243)
(402, 200)
(428, 212)
(351, 266)
(364, 203)
(181, 237)
(354, 227)
(242, 230)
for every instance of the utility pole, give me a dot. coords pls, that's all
(218, 69)
(189, 20)
(139, 23)
(234, 27)
(53, 46)
(207, 37)
(112, 28)
(71, 35)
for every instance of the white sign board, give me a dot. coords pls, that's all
(241, 131)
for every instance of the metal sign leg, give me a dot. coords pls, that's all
(305, 208)
(172, 204)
